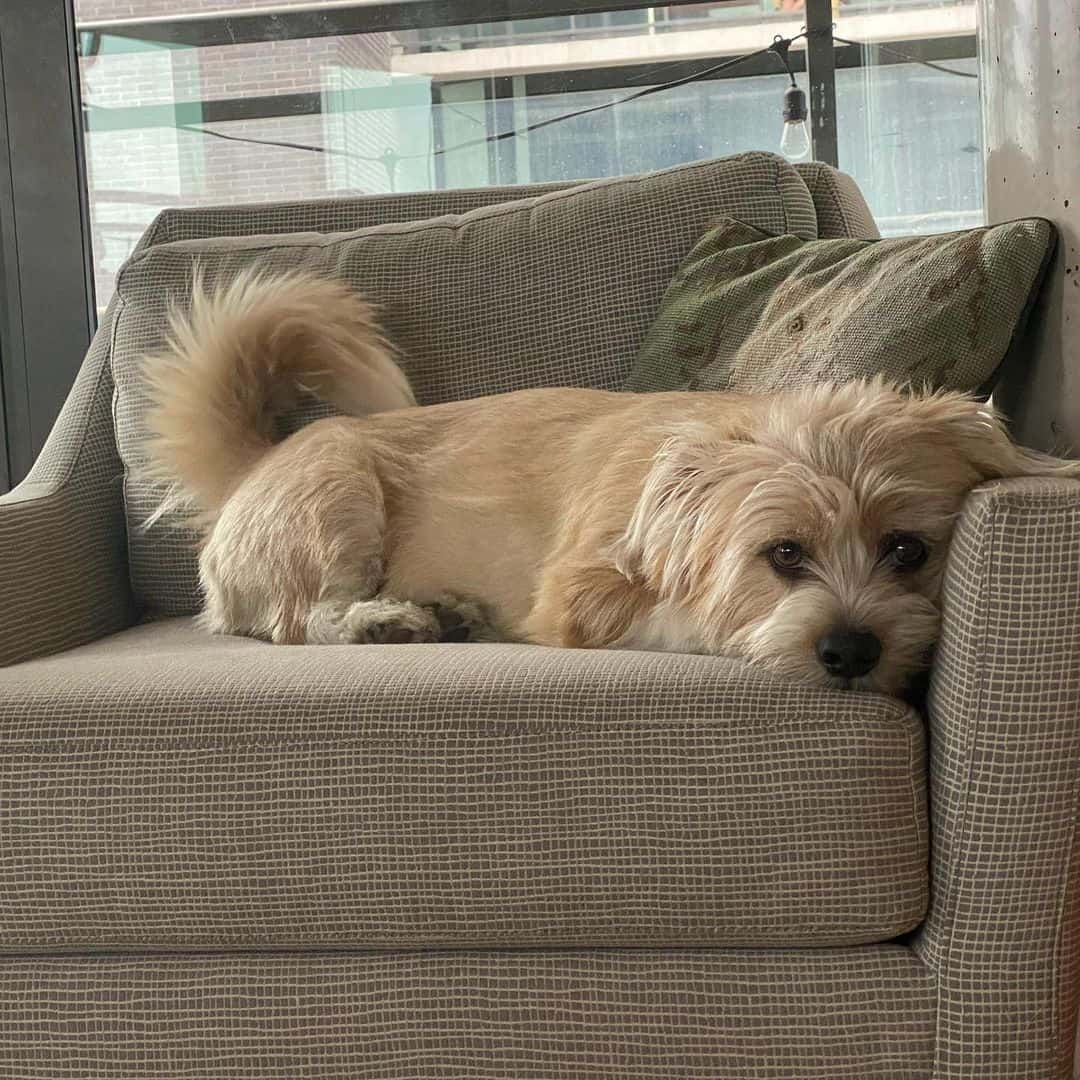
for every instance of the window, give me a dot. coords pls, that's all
(205, 102)
(175, 117)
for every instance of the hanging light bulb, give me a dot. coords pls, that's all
(795, 139)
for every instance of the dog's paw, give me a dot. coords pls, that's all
(372, 622)
(461, 620)
(390, 622)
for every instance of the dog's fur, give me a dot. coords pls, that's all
(571, 517)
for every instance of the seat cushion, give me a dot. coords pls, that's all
(553, 290)
(165, 788)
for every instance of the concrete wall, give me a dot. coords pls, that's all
(1030, 63)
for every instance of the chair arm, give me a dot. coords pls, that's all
(1001, 935)
(63, 567)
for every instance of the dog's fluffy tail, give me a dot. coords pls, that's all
(241, 357)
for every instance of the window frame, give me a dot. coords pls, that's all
(47, 313)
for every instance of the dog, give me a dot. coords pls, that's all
(805, 532)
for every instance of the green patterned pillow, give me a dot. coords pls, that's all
(754, 313)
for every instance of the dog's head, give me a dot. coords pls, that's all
(812, 536)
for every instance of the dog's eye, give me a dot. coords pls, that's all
(786, 556)
(904, 551)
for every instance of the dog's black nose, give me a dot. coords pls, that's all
(848, 653)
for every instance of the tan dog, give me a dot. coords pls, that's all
(806, 532)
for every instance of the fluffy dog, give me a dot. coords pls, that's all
(805, 532)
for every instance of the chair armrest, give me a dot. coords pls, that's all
(63, 566)
(1001, 935)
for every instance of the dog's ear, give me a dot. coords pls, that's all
(694, 486)
(978, 433)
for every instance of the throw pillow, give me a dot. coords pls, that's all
(753, 312)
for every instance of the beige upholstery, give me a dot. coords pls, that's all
(221, 859)
(63, 567)
(1003, 933)
(614, 1014)
(418, 796)
(839, 204)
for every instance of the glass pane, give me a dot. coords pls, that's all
(911, 134)
(293, 119)
(699, 120)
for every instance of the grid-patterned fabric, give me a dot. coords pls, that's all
(839, 204)
(557, 290)
(832, 1014)
(170, 788)
(328, 215)
(1002, 933)
(1000, 944)
(753, 313)
(63, 573)
(364, 211)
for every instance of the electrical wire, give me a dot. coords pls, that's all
(781, 46)
(195, 129)
(637, 94)
(511, 133)
(901, 55)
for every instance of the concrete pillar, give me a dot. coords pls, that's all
(1029, 52)
(1029, 65)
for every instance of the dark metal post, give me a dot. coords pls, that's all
(821, 71)
(5, 471)
(438, 136)
(45, 260)
(506, 151)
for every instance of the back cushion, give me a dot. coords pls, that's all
(839, 204)
(554, 290)
(337, 215)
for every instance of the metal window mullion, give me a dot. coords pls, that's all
(438, 135)
(5, 470)
(505, 150)
(821, 73)
(15, 422)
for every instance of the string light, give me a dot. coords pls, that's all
(517, 132)
(794, 139)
